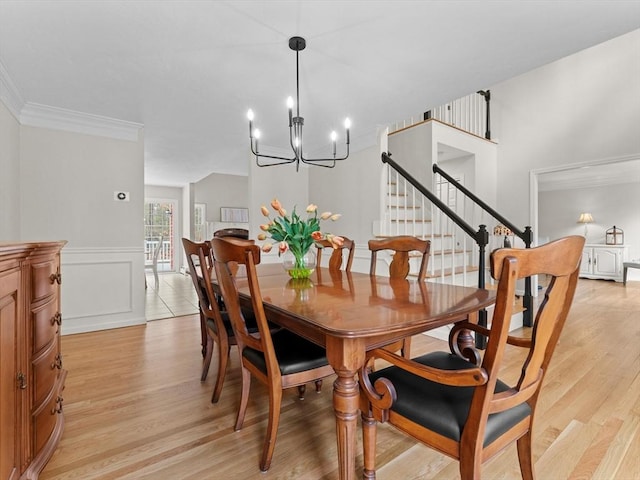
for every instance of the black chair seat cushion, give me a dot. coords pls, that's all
(249, 318)
(443, 408)
(294, 353)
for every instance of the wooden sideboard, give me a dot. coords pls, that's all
(31, 373)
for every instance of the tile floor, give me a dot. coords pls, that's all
(174, 297)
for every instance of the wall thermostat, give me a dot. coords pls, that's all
(121, 196)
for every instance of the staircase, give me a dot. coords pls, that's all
(409, 208)
(407, 211)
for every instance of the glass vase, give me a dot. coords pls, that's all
(299, 266)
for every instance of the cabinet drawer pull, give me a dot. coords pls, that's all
(57, 363)
(57, 318)
(22, 381)
(57, 409)
(56, 277)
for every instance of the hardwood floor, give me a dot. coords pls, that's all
(135, 408)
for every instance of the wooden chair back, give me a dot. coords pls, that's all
(228, 254)
(199, 259)
(336, 259)
(242, 233)
(402, 245)
(561, 261)
(214, 325)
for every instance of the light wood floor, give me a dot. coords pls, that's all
(135, 408)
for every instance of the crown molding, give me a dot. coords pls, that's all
(9, 93)
(36, 115)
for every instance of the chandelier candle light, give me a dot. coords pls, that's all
(296, 236)
(296, 123)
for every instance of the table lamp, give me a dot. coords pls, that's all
(585, 218)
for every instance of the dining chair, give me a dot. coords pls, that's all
(279, 359)
(242, 233)
(402, 246)
(213, 320)
(153, 266)
(336, 259)
(459, 407)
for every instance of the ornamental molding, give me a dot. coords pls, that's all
(9, 93)
(44, 116)
(55, 118)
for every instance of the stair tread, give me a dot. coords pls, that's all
(410, 220)
(447, 271)
(423, 237)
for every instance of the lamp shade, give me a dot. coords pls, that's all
(501, 230)
(585, 218)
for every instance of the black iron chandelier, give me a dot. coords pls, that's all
(296, 123)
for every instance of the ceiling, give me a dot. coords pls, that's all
(189, 70)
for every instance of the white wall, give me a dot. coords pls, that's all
(617, 205)
(582, 108)
(352, 189)
(68, 182)
(217, 190)
(67, 185)
(10, 176)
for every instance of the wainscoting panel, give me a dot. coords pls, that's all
(102, 288)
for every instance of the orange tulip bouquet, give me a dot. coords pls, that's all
(296, 236)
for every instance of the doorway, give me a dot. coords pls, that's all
(159, 230)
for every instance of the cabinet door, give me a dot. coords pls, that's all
(9, 381)
(606, 262)
(585, 264)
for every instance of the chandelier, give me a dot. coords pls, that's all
(296, 123)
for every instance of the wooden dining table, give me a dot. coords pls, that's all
(351, 313)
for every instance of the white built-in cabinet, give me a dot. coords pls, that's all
(603, 261)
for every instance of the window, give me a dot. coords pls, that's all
(199, 222)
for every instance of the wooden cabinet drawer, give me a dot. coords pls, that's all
(46, 419)
(45, 278)
(45, 372)
(46, 324)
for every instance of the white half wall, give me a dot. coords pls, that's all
(100, 288)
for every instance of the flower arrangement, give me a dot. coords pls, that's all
(296, 234)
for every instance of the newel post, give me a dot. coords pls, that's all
(482, 239)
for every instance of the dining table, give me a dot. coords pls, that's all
(350, 313)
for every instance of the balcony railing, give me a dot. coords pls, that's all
(471, 113)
